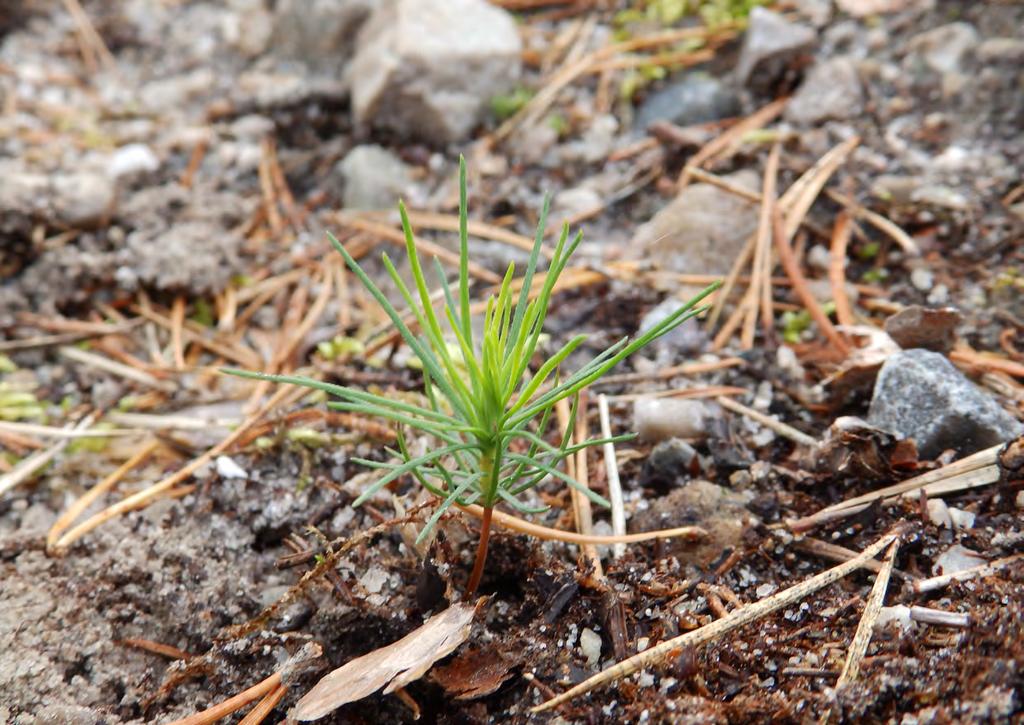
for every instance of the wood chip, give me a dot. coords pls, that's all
(391, 667)
(475, 673)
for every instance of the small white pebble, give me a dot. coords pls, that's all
(961, 519)
(373, 580)
(819, 257)
(922, 279)
(132, 159)
(939, 513)
(899, 614)
(957, 558)
(227, 468)
(658, 418)
(590, 646)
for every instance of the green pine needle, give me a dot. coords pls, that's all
(482, 402)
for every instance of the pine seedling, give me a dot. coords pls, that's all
(489, 412)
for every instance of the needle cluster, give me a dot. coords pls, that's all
(486, 406)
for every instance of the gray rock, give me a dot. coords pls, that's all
(82, 199)
(916, 190)
(428, 68)
(920, 395)
(943, 49)
(694, 98)
(320, 33)
(995, 50)
(769, 44)
(940, 196)
(817, 12)
(192, 255)
(250, 27)
(23, 196)
(596, 142)
(573, 201)
(920, 327)
(373, 178)
(688, 337)
(832, 90)
(670, 461)
(957, 558)
(656, 419)
(701, 231)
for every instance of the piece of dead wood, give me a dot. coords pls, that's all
(576, 468)
(837, 269)
(859, 646)
(962, 475)
(119, 369)
(835, 552)
(269, 691)
(803, 291)
(545, 533)
(732, 137)
(719, 627)
(783, 429)
(611, 468)
(879, 222)
(391, 667)
(944, 580)
(477, 672)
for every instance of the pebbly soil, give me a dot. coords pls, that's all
(184, 570)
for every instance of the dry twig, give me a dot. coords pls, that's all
(720, 627)
(978, 469)
(783, 429)
(859, 646)
(611, 467)
(576, 467)
(514, 523)
(120, 370)
(944, 580)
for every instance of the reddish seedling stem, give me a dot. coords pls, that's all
(481, 553)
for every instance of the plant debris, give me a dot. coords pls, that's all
(391, 667)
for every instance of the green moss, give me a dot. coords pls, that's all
(506, 105)
(340, 346)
